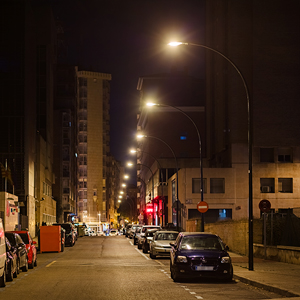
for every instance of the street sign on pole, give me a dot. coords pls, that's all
(202, 206)
(264, 206)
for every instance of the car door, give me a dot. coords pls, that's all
(22, 250)
(174, 249)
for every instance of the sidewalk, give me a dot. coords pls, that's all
(278, 277)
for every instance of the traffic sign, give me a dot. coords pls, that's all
(202, 206)
(264, 205)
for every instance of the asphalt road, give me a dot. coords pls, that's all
(112, 268)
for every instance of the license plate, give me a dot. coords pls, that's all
(204, 268)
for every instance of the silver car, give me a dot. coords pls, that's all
(140, 238)
(160, 245)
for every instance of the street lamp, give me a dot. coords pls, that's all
(200, 151)
(160, 168)
(249, 109)
(129, 164)
(139, 136)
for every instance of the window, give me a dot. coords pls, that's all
(196, 183)
(267, 185)
(285, 185)
(217, 185)
(267, 155)
(285, 155)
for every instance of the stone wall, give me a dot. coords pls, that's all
(234, 233)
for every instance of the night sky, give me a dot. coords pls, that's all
(129, 39)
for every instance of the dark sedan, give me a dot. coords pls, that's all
(18, 244)
(199, 254)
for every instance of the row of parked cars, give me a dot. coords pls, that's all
(192, 254)
(17, 252)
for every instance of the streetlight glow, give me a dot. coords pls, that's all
(126, 176)
(129, 164)
(151, 104)
(175, 44)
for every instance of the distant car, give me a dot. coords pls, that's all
(160, 245)
(127, 230)
(199, 254)
(113, 233)
(137, 232)
(132, 231)
(31, 249)
(92, 233)
(140, 238)
(100, 233)
(12, 262)
(17, 243)
(148, 239)
(70, 235)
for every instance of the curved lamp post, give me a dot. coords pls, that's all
(200, 151)
(177, 204)
(130, 165)
(249, 142)
(138, 150)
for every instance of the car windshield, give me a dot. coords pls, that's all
(24, 237)
(166, 236)
(201, 243)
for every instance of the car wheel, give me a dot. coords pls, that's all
(30, 266)
(145, 250)
(35, 262)
(3, 278)
(134, 241)
(25, 268)
(139, 246)
(10, 274)
(18, 267)
(152, 256)
(174, 275)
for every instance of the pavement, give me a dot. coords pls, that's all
(277, 277)
(273, 276)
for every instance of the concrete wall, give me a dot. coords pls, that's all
(235, 235)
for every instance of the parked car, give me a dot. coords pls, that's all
(127, 229)
(2, 256)
(70, 237)
(160, 245)
(199, 254)
(137, 232)
(140, 238)
(12, 262)
(132, 231)
(18, 244)
(100, 233)
(31, 249)
(148, 239)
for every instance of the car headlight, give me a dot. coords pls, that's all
(225, 260)
(181, 259)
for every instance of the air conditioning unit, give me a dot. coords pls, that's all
(266, 189)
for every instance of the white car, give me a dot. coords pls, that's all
(113, 233)
(92, 233)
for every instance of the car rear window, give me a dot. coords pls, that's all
(201, 243)
(24, 237)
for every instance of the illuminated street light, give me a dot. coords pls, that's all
(130, 165)
(140, 136)
(135, 151)
(126, 176)
(249, 109)
(123, 185)
(200, 151)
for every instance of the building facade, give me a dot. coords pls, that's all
(93, 140)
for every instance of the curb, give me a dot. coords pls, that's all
(266, 287)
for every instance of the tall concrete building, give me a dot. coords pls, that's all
(26, 85)
(93, 145)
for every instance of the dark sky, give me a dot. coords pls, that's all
(128, 39)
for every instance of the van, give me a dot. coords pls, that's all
(2, 255)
